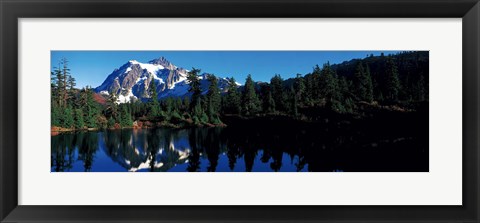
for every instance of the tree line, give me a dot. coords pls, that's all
(71, 107)
(399, 79)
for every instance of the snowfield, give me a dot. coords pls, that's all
(170, 81)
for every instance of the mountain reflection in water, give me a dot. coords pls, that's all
(238, 150)
(261, 145)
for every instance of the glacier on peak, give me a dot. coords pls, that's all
(132, 80)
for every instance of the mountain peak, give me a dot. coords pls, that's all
(133, 79)
(162, 61)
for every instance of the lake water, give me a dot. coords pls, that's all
(239, 150)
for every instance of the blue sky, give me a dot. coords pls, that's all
(92, 67)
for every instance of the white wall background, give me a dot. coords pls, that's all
(441, 186)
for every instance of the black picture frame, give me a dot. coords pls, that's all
(12, 10)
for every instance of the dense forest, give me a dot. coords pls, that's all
(354, 88)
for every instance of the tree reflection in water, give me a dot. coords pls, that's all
(245, 148)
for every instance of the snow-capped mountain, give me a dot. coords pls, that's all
(132, 80)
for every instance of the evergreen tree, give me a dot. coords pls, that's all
(57, 112)
(393, 82)
(198, 115)
(79, 124)
(65, 74)
(178, 104)
(154, 105)
(309, 90)
(195, 87)
(368, 84)
(213, 98)
(71, 89)
(316, 83)
(68, 121)
(295, 106)
(359, 77)
(363, 80)
(343, 87)
(270, 103)
(300, 87)
(186, 103)
(90, 117)
(169, 107)
(59, 86)
(89, 107)
(125, 118)
(346, 96)
(251, 103)
(328, 83)
(329, 87)
(56, 116)
(276, 87)
(54, 88)
(112, 106)
(233, 98)
(71, 83)
(111, 122)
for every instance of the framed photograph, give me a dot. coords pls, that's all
(174, 111)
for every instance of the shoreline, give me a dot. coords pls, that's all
(323, 117)
(55, 130)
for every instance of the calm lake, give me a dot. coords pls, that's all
(241, 149)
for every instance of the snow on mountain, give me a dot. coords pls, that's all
(132, 80)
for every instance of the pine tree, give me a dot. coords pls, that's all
(359, 76)
(328, 83)
(59, 86)
(54, 88)
(294, 104)
(198, 115)
(329, 87)
(213, 98)
(70, 89)
(125, 117)
(71, 83)
(56, 106)
(316, 83)
(178, 104)
(233, 98)
(251, 103)
(111, 122)
(270, 103)
(89, 107)
(186, 103)
(295, 107)
(276, 87)
(169, 107)
(346, 96)
(363, 80)
(65, 73)
(154, 105)
(300, 87)
(56, 115)
(393, 82)
(79, 124)
(68, 121)
(368, 84)
(195, 87)
(309, 90)
(112, 106)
